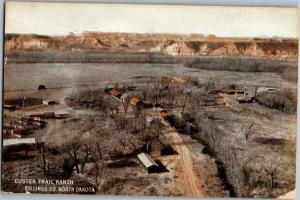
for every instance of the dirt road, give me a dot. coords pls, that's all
(182, 164)
(189, 182)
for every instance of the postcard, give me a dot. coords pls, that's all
(149, 100)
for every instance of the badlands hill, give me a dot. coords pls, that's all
(177, 45)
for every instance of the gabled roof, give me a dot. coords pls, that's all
(114, 93)
(134, 101)
(147, 160)
(11, 142)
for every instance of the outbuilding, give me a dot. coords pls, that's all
(19, 148)
(42, 87)
(163, 114)
(49, 102)
(136, 102)
(10, 107)
(148, 162)
(115, 93)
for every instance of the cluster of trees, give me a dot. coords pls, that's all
(70, 156)
(243, 169)
(127, 137)
(284, 100)
(242, 173)
(95, 100)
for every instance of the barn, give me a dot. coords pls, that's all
(149, 163)
(115, 93)
(136, 102)
(163, 114)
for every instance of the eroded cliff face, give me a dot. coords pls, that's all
(182, 45)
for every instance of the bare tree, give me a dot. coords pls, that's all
(126, 105)
(113, 110)
(44, 162)
(117, 153)
(133, 144)
(116, 85)
(98, 171)
(86, 157)
(156, 127)
(144, 93)
(122, 141)
(99, 151)
(72, 150)
(271, 170)
(183, 104)
(248, 131)
(121, 123)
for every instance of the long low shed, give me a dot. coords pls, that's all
(148, 162)
(14, 142)
(19, 148)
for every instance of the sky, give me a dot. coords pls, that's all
(63, 18)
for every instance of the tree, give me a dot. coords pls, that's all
(99, 151)
(133, 144)
(144, 93)
(121, 123)
(248, 131)
(99, 170)
(156, 127)
(116, 85)
(122, 141)
(126, 104)
(86, 157)
(271, 170)
(113, 110)
(183, 104)
(72, 151)
(44, 163)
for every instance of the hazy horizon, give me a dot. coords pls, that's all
(164, 34)
(60, 19)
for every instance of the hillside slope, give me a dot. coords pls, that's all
(174, 45)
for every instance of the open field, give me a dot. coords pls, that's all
(228, 140)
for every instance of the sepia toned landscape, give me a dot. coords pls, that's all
(150, 114)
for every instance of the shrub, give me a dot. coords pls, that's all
(284, 100)
(290, 74)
